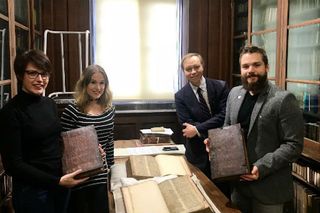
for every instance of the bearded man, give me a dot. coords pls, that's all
(273, 128)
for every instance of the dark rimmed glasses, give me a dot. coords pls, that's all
(33, 74)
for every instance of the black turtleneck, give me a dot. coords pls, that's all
(30, 147)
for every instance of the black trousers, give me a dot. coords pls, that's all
(33, 199)
(93, 199)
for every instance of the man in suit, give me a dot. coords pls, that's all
(200, 106)
(273, 128)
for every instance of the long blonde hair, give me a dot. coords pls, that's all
(81, 96)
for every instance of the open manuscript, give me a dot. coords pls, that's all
(175, 195)
(144, 166)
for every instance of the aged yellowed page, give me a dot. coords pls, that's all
(172, 164)
(144, 197)
(181, 195)
(143, 166)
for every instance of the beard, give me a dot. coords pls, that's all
(257, 86)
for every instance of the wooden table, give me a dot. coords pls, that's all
(217, 197)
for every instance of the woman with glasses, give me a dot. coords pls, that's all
(30, 141)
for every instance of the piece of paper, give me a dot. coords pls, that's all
(167, 131)
(148, 150)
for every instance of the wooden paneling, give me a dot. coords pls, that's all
(210, 35)
(198, 29)
(65, 15)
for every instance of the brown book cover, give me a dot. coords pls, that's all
(81, 151)
(228, 153)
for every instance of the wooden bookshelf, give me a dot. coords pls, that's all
(311, 150)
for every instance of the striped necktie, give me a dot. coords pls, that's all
(203, 105)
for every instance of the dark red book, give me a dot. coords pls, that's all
(228, 153)
(81, 151)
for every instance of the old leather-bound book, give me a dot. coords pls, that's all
(81, 151)
(145, 166)
(228, 153)
(178, 195)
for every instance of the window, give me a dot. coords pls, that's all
(137, 43)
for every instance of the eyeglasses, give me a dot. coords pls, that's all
(33, 74)
(195, 67)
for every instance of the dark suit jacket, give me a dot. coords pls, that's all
(188, 110)
(275, 139)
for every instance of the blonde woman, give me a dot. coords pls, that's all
(93, 106)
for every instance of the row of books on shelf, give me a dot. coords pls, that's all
(312, 131)
(305, 199)
(310, 175)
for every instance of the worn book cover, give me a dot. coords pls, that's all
(144, 166)
(81, 151)
(175, 195)
(228, 153)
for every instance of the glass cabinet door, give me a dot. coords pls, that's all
(37, 14)
(264, 15)
(4, 7)
(21, 11)
(303, 10)
(22, 40)
(269, 42)
(264, 29)
(240, 30)
(24, 19)
(303, 61)
(4, 51)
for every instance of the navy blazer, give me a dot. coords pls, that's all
(188, 110)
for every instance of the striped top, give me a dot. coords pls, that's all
(73, 118)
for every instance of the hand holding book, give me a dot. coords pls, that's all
(228, 153)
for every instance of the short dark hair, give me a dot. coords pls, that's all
(36, 57)
(189, 55)
(254, 49)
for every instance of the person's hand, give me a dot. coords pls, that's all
(253, 176)
(102, 152)
(189, 130)
(207, 143)
(69, 181)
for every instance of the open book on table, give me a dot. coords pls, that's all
(175, 195)
(144, 166)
